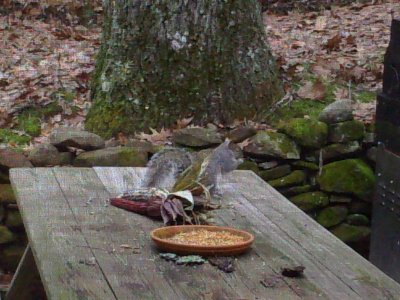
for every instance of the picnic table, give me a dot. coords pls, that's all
(83, 248)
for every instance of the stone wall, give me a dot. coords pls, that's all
(324, 166)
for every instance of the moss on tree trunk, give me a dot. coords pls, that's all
(166, 59)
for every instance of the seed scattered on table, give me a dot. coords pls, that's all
(205, 237)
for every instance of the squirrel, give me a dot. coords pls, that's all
(175, 169)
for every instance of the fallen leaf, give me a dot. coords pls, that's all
(312, 90)
(334, 42)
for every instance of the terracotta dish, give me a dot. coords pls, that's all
(162, 235)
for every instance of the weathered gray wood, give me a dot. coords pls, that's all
(243, 284)
(252, 267)
(73, 206)
(58, 245)
(315, 242)
(113, 238)
(24, 278)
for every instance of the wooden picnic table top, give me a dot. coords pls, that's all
(86, 249)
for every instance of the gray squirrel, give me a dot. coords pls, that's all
(175, 169)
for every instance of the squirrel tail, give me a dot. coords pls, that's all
(165, 166)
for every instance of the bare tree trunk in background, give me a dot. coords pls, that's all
(164, 60)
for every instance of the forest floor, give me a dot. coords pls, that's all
(45, 65)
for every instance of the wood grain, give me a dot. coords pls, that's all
(58, 246)
(67, 217)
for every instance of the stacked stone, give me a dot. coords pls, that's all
(12, 236)
(66, 147)
(323, 166)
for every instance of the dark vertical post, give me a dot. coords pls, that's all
(385, 238)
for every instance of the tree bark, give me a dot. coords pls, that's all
(167, 59)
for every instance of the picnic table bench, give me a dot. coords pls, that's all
(83, 248)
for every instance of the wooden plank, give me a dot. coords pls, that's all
(114, 239)
(58, 246)
(315, 242)
(200, 283)
(23, 278)
(245, 281)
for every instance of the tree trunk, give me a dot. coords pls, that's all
(164, 60)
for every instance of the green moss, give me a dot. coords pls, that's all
(30, 122)
(273, 144)
(116, 156)
(249, 165)
(306, 132)
(6, 236)
(332, 216)
(296, 109)
(301, 164)
(8, 136)
(310, 201)
(275, 173)
(51, 109)
(352, 176)
(366, 97)
(346, 131)
(357, 219)
(295, 178)
(6, 194)
(350, 233)
(14, 219)
(64, 95)
(295, 190)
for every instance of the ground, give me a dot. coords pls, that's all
(45, 65)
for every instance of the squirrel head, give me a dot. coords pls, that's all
(227, 157)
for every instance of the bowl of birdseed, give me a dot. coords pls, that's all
(202, 240)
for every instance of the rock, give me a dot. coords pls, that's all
(360, 207)
(295, 190)
(272, 144)
(372, 153)
(248, 165)
(301, 164)
(6, 194)
(12, 159)
(351, 176)
(295, 178)
(113, 142)
(14, 219)
(338, 111)
(350, 233)
(335, 151)
(6, 236)
(306, 132)
(44, 155)
(310, 201)
(339, 199)
(346, 131)
(117, 156)
(66, 158)
(239, 134)
(268, 165)
(331, 216)
(275, 173)
(357, 219)
(64, 137)
(142, 146)
(197, 137)
(369, 139)
(11, 256)
(4, 178)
